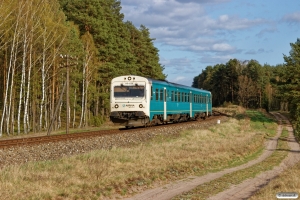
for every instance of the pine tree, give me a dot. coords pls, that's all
(291, 89)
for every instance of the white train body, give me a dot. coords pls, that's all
(130, 99)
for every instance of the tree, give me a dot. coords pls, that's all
(233, 66)
(291, 89)
(33, 36)
(89, 68)
(247, 90)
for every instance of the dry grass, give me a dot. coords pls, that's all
(122, 171)
(212, 188)
(231, 110)
(286, 182)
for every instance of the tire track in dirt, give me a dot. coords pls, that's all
(246, 188)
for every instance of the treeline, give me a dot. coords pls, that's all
(253, 85)
(40, 39)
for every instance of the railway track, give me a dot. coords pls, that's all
(53, 138)
(73, 136)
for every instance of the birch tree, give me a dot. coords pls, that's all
(31, 31)
(11, 71)
(87, 71)
(53, 34)
(25, 32)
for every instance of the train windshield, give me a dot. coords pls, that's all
(129, 91)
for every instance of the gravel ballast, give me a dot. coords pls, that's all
(55, 150)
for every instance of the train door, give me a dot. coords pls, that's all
(191, 104)
(165, 104)
(206, 100)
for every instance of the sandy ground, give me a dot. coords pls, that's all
(243, 190)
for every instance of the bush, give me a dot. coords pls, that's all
(97, 121)
(297, 123)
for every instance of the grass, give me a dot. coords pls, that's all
(288, 181)
(206, 190)
(124, 171)
(285, 182)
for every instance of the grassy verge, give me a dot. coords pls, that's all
(123, 171)
(285, 182)
(214, 187)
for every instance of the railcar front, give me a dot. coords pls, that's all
(129, 101)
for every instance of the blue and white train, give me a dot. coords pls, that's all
(140, 101)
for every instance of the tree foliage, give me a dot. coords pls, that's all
(252, 85)
(291, 88)
(35, 35)
(245, 83)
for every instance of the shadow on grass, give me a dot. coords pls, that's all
(288, 150)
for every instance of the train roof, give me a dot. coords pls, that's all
(165, 82)
(176, 84)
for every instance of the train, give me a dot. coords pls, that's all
(139, 101)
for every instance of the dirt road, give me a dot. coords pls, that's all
(241, 191)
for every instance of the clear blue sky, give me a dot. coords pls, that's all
(193, 34)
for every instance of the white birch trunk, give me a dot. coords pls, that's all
(74, 109)
(85, 107)
(26, 123)
(11, 66)
(26, 116)
(12, 125)
(43, 79)
(23, 76)
(59, 116)
(82, 98)
(9, 115)
(84, 90)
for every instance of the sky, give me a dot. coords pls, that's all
(193, 34)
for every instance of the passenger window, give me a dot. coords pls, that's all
(161, 95)
(178, 96)
(151, 93)
(175, 97)
(156, 94)
(172, 95)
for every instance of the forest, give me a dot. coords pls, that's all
(44, 43)
(41, 40)
(252, 85)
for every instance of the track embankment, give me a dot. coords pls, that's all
(31, 149)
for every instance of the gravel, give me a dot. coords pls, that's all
(56, 150)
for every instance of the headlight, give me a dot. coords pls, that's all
(116, 106)
(141, 105)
